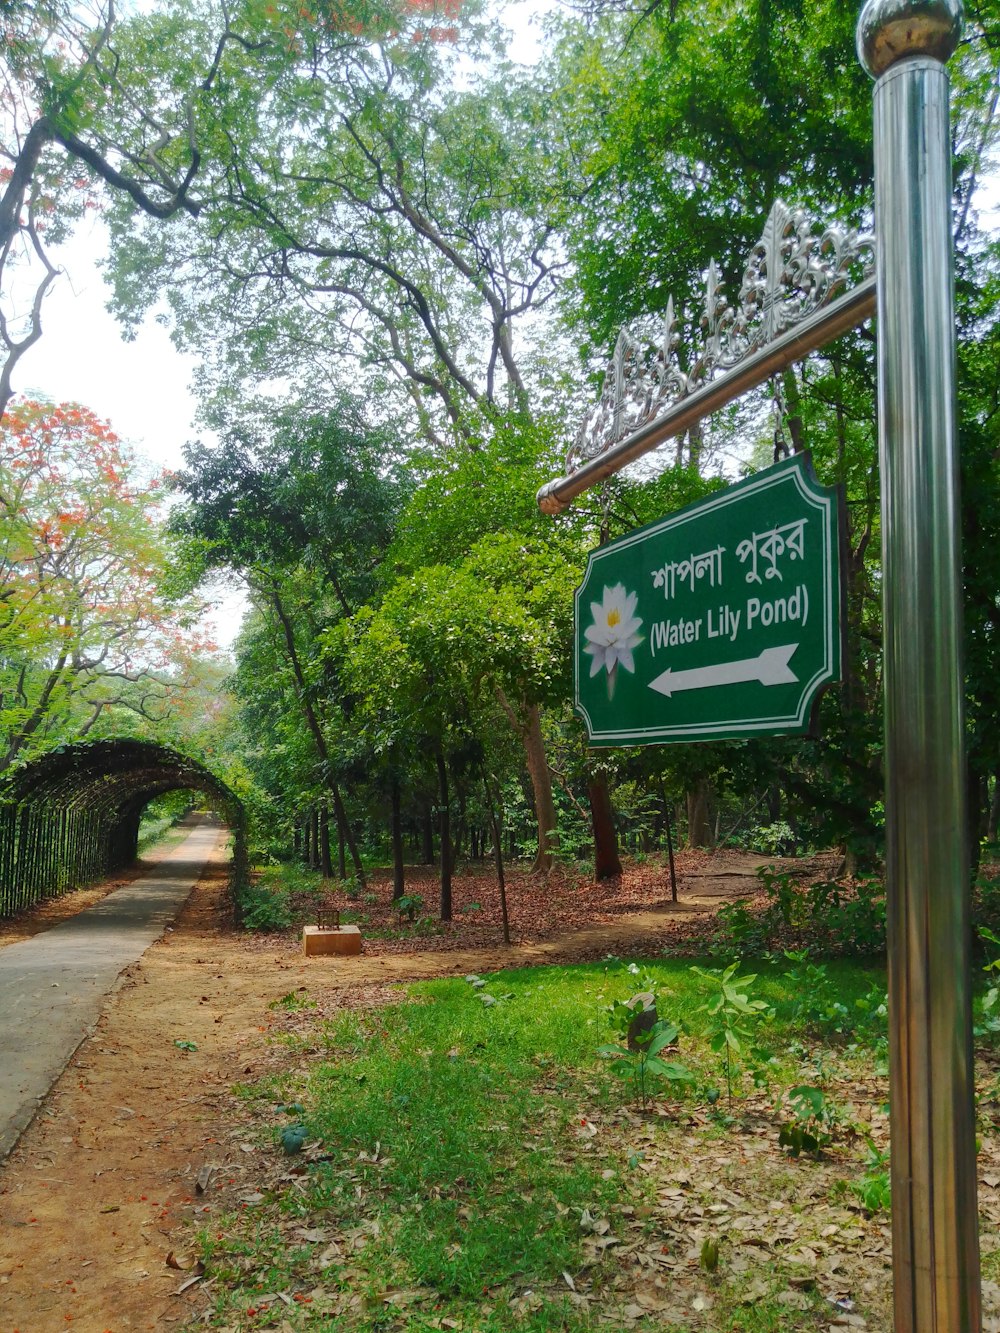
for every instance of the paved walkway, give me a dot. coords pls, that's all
(52, 987)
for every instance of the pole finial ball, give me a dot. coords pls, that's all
(889, 30)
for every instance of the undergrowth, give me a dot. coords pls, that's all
(452, 1144)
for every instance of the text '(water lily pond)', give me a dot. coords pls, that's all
(722, 620)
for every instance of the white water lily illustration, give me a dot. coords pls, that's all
(614, 633)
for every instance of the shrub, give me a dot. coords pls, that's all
(740, 930)
(277, 898)
(645, 1037)
(812, 1118)
(776, 839)
(261, 908)
(409, 905)
(829, 916)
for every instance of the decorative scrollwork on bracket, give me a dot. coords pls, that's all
(794, 270)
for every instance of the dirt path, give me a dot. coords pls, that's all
(100, 1199)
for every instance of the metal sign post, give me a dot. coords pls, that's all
(904, 44)
(800, 289)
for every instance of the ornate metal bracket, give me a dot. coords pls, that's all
(796, 269)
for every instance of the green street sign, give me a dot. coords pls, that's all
(722, 620)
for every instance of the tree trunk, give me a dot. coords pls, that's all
(793, 410)
(978, 797)
(696, 440)
(316, 731)
(994, 823)
(498, 857)
(312, 721)
(529, 729)
(458, 838)
(347, 836)
(325, 859)
(541, 785)
(607, 864)
(314, 857)
(397, 842)
(774, 803)
(699, 824)
(427, 829)
(444, 832)
(670, 859)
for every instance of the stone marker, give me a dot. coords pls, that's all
(324, 940)
(644, 1021)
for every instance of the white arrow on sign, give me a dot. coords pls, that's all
(770, 668)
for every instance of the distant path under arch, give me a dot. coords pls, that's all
(72, 815)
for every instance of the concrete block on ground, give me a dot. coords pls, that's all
(327, 940)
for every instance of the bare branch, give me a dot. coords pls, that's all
(16, 348)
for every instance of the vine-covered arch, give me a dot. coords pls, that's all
(72, 815)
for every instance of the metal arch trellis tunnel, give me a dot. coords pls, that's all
(73, 814)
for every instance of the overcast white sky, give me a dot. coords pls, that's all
(141, 387)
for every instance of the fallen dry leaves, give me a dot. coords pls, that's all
(547, 907)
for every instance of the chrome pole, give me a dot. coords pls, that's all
(904, 44)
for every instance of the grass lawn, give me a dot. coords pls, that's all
(458, 1155)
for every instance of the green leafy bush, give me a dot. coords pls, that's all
(816, 1005)
(264, 909)
(852, 918)
(731, 1014)
(828, 916)
(640, 1056)
(278, 897)
(874, 1188)
(810, 1123)
(988, 1010)
(986, 891)
(741, 930)
(409, 905)
(777, 839)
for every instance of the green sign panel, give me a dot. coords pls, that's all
(722, 620)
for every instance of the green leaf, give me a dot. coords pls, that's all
(664, 1034)
(292, 1139)
(677, 1073)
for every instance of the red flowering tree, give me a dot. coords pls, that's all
(87, 627)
